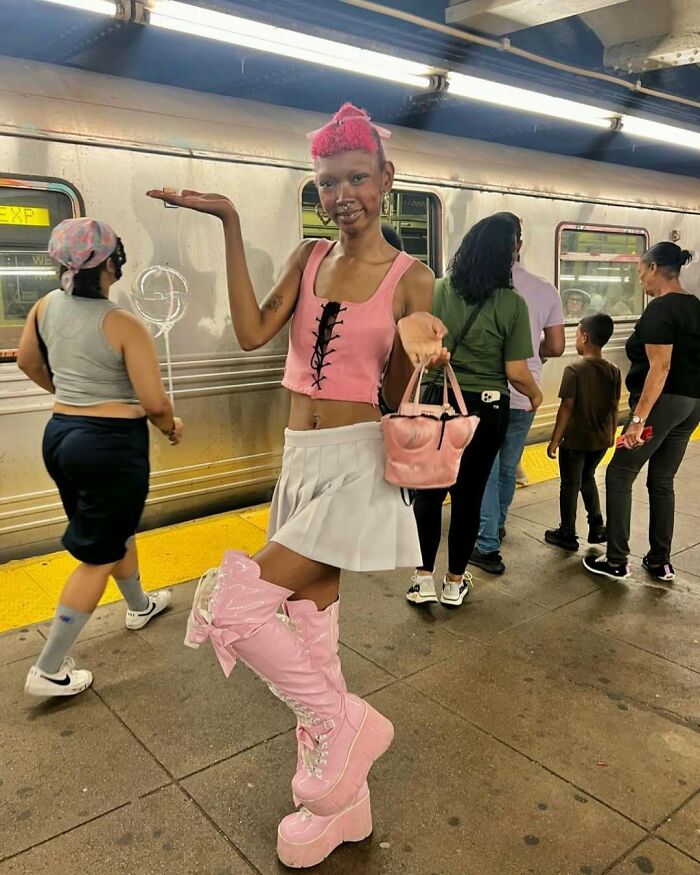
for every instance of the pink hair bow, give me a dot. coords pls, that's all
(220, 641)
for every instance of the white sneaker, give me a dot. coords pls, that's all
(68, 680)
(454, 592)
(158, 601)
(422, 589)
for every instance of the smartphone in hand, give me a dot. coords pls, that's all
(646, 435)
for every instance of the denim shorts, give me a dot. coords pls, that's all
(101, 468)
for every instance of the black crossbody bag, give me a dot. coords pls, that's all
(432, 393)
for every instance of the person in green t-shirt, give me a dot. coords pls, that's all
(494, 351)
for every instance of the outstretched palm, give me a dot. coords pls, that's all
(211, 203)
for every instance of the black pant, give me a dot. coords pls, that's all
(100, 465)
(673, 419)
(467, 492)
(577, 472)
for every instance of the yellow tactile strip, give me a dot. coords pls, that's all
(168, 556)
(172, 555)
(539, 467)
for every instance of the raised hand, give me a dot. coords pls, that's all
(211, 203)
(421, 337)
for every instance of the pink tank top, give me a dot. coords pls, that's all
(338, 351)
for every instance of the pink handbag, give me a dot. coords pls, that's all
(424, 442)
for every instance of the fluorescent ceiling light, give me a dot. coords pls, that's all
(104, 7)
(199, 21)
(497, 93)
(195, 20)
(593, 279)
(670, 134)
(27, 271)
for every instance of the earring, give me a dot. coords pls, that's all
(386, 203)
(322, 214)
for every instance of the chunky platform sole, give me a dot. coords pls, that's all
(373, 739)
(354, 824)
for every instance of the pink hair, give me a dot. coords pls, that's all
(350, 128)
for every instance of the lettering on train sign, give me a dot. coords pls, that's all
(26, 216)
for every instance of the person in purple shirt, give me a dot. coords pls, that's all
(546, 316)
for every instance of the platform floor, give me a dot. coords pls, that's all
(551, 726)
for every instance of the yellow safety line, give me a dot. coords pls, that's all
(30, 588)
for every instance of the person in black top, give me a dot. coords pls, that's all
(664, 386)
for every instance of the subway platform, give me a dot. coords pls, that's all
(550, 726)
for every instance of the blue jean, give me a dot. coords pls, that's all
(500, 487)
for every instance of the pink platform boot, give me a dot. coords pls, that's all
(341, 734)
(305, 839)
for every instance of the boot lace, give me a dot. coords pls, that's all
(314, 749)
(312, 733)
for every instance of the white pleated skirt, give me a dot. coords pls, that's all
(332, 503)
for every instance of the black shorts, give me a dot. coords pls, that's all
(101, 468)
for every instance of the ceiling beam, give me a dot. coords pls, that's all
(507, 16)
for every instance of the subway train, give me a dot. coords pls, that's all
(77, 143)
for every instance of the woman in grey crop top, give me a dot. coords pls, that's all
(100, 364)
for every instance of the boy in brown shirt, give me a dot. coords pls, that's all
(585, 428)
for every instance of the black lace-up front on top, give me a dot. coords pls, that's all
(327, 323)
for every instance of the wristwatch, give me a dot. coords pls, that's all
(637, 420)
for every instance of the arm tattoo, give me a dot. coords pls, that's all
(274, 303)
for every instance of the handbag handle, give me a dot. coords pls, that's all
(413, 387)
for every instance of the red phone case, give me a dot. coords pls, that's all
(646, 435)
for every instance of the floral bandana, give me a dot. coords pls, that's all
(79, 244)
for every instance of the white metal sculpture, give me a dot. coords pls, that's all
(160, 296)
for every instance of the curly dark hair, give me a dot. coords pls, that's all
(484, 260)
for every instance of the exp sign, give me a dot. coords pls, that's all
(25, 216)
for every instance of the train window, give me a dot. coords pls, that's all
(28, 212)
(414, 214)
(597, 270)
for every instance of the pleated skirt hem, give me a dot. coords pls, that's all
(333, 505)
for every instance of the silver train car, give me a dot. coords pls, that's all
(75, 143)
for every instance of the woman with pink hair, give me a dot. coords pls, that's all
(360, 322)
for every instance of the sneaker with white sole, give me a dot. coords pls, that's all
(454, 592)
(600, 565)
(422, 590)
(158, 601)
(662, 572)
(67, 681)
